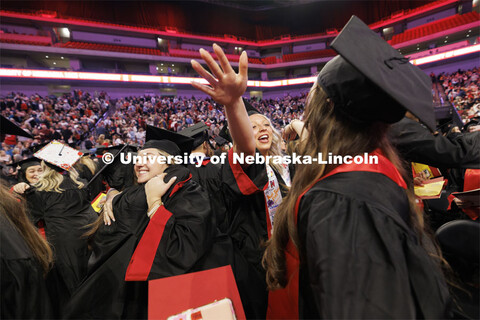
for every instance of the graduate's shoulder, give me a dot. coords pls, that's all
(367, 191)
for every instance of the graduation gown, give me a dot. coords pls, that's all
(96, 187)
(23, 287)
(66, 216)
(240, 208)
(362, 260)
(416, 143)
(183, 244)
(206, 171)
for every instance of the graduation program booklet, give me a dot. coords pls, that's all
(472, 196)
(431, 189)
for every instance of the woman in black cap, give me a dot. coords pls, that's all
(349, 240)
(28, 173)
(163, 226)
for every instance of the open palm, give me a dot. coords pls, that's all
(226, 86)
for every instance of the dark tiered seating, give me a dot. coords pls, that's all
(22, 38)
(31, 43)
(255, 60)
(109, 47)
(434, 27)
(196, 55)
(269, 60)
(309, 55)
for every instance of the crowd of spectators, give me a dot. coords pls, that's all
(462, 90)
(87, 121)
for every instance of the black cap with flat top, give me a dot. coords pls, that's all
(198, 132)
(23, 165)
(117, 174)
(220, 141)
(371, 81)
(225, 133)
(168, 141)
(250, 109)
(8, 127)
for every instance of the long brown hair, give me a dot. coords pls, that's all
(15, 212)
(328, 132)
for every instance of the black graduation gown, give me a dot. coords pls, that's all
(241, 215)
(362, 260)
(204, 172)
(416, 143)
(23, 287)
(186, 240)
(96, 186)
(66, 216)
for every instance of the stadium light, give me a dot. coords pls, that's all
(96, 76)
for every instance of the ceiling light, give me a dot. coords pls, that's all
(46, 57)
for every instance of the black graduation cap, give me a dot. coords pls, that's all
(168, 141)
(23, 165)
(371, 81)
(116, 174)
(199, 132)
(225, 134)
(220, 141)
(8, 127)
(250, 109)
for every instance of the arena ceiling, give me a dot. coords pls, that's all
(255, 20)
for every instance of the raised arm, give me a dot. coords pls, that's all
(227, 87)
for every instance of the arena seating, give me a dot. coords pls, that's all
(20, 38)
(309, 55)
(109, 47)
(434, 27)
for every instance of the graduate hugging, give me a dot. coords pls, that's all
(316, 241)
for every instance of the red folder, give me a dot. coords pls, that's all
(172, 295)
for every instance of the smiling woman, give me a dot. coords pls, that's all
(163, 227)
(145, 170)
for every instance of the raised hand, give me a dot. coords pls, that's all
(226, 86)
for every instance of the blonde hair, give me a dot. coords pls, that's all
(50, 179)
(89, 163)
(275, 147)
